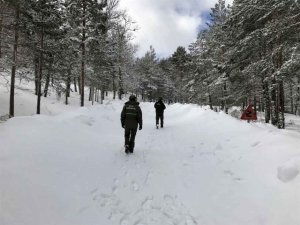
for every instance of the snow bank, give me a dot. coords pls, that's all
(289, 170)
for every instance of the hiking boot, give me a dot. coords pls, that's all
(127, 150)
(131, 147)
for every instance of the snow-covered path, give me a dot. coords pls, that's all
(203, 168)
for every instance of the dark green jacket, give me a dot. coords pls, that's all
(159, 107)
(131, 115)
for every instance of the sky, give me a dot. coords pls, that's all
(167, 24)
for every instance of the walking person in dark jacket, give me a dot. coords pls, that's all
(131, 117)
(159, 109)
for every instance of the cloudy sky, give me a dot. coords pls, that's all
(167, 24)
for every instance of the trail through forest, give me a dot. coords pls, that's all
(203, 167)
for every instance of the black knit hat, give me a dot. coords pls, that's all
(132, 98)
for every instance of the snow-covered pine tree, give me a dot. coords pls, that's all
(123, 50)
(203, 76)
(265, 34)
(209, 78)
(98, 57)
(148, 70)
(43, 21)
(12, 14)
(169, 92)
(82, 15)
(181, 61)
(15, 7)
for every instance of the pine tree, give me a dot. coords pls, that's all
(180, 59)
(43, 27)
(82, 16)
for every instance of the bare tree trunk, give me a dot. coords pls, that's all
(267, 101)
(114, 85)
(255, 103)
(68, 86)
(120, 84)
(79, 84)
(291, 99)
(298, 96)
(224, 103)
(281, 119)
(102, 96)
(210, 102)
(95, 94)
(92, 95)
(281, 100)
(75, 85)
(1, 29)
(47, 84)
(14, 66)
(245, 103)
(36, 73)
(274, 109)
(83, 55)
(66, 98)
(261, 105)
(38, 111)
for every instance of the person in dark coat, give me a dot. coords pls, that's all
(159, 109)
(131, 118)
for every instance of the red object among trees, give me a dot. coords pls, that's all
(249, 114)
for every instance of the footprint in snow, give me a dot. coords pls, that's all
(219, 147)
(146, 204)
(124, 222)
(149, 175)
(135, 186)
(83, 209)
(86, 120)
(255, 144)
(94, 191)
(228, 172)
(115, 185)
(231, 174)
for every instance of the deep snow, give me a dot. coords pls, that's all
(68, 166)
(203, 168)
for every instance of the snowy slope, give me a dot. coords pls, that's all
(203, 168)
(26, 101)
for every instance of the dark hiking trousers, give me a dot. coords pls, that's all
(129, 137)
(161, 118)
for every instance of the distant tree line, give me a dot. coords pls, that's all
(249, 54)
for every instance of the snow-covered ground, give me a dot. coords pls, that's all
(25, 100)
(68, 167)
